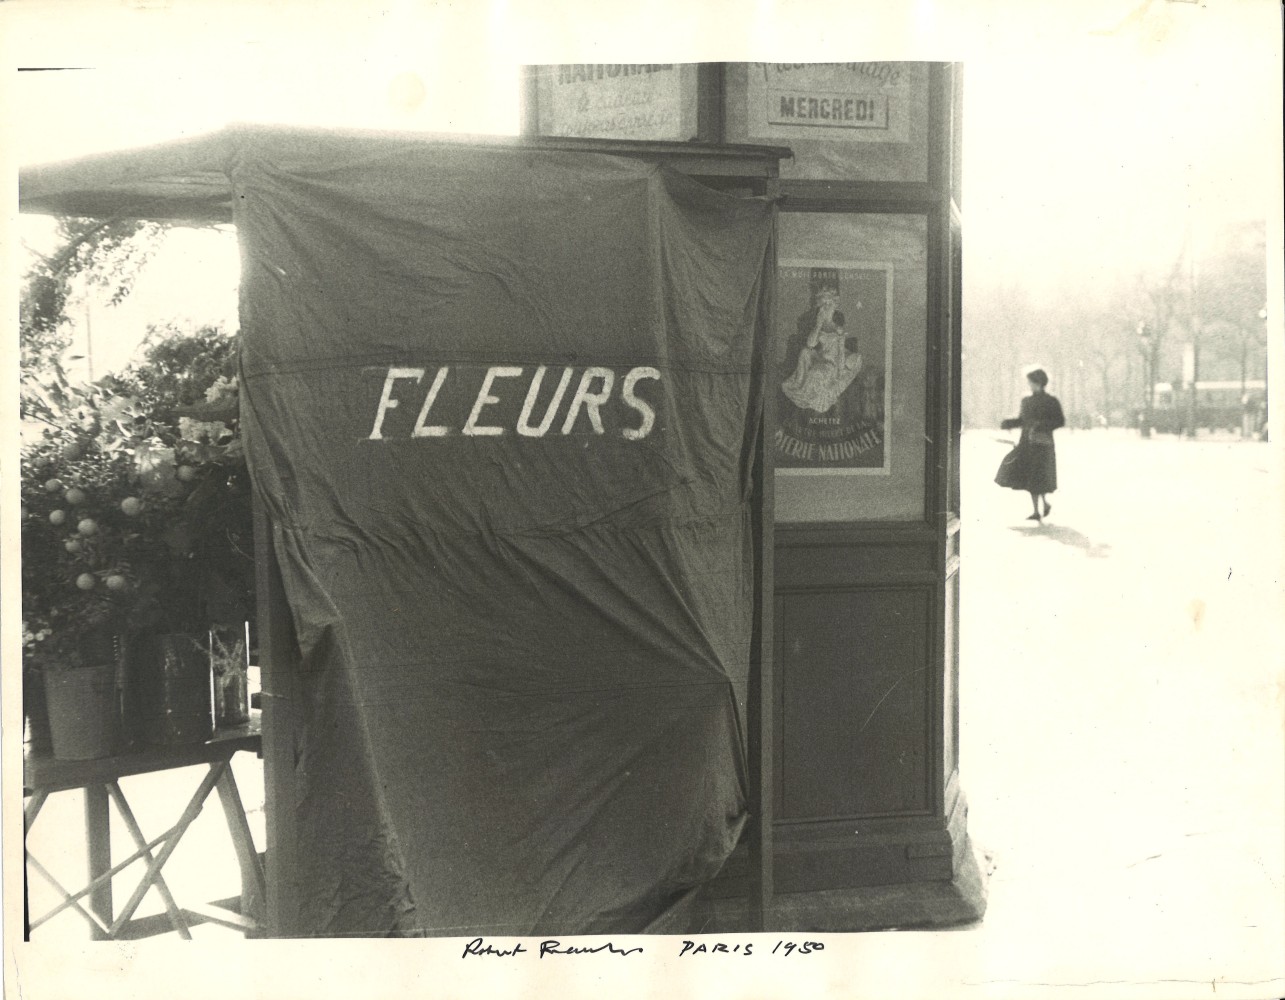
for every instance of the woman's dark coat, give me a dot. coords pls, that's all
(1032, 465)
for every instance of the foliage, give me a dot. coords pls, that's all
(180, 368)
(1087, 335)
(136, 503)
(104, 253)
(1231, 291)
(135, 496)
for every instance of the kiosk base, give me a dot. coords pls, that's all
(960, 899)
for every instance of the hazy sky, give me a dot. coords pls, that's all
(1094, 155)
(1096, 132)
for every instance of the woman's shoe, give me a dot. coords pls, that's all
(1035, 517)
(1047, 507)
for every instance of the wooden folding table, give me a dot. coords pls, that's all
(99, 780)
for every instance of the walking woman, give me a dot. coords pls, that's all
(1032, 465)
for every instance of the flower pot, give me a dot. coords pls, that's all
(172, 691)
(84, 712)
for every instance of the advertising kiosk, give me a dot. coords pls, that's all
(607, 486)
(869, 818)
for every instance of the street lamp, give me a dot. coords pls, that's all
(1259, 422)
(1245, 336)
(1084, 418)
(1147, 345)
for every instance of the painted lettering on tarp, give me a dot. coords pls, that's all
(532, 401)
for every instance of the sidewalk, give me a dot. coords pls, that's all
(1121, 712)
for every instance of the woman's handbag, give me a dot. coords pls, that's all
(1009, 473)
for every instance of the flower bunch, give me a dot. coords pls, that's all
(135, 513)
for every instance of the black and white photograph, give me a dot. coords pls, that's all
(738, 500)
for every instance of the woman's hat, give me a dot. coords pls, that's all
(1036, 374)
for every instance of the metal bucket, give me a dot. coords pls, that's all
(84, 712)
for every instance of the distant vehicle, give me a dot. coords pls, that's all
(1230, 406)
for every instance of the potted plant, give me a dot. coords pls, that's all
(229, 657)
(72, 685)
(136, 524)
(181, 406)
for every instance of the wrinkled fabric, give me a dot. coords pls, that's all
(501, 407)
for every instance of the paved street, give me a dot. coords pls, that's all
(1122, 713)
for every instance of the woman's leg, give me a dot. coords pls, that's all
(1035, 507)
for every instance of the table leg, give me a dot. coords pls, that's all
(29, 815)
(98, 839)
(253, 883)
(98, 929)
(33, 808)
(177, 920)
(158, 861)
(73, 899)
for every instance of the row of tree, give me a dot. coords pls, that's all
(1106, 348)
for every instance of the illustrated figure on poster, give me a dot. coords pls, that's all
(1032, 464)
(826, 365)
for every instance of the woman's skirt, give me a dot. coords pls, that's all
(1031, 468)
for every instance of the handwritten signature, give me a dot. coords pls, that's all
(481, 947)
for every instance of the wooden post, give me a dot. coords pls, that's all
(278, 663)
(98, 840)
(529, 102)
(253, 884)
(709, 102)
(762, 685)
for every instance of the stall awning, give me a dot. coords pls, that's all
(187, 179)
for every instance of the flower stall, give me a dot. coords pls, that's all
(501, 403)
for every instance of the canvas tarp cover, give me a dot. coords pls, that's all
(502, 409)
